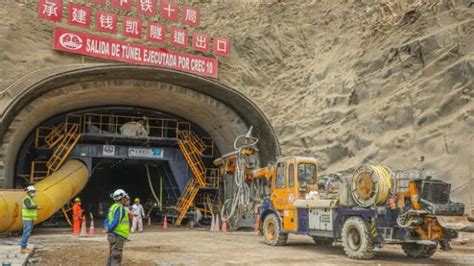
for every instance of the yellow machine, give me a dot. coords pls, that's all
(52, 193)
(374, 207)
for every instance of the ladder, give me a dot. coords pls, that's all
(63, 149)
(55, 136)
(192, 151)
(186, 199)
(67, 142)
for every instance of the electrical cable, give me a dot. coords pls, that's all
(151, 185)
(371, 185)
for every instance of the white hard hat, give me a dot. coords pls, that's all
(118, 194)
(30, 189)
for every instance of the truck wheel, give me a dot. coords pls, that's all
(272, 231)
(322, 241)
(356, 239)
(419, 251)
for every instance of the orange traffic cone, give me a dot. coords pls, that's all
(165, 224)
(149, 220)
(92, 229)
(218, 227)
(224, 225)
(83, 227)
(212, 224)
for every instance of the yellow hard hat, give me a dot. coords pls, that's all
(77, 200)
(137, 200)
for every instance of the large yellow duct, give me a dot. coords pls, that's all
(52, 193)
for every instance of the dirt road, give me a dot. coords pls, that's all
(201, 247)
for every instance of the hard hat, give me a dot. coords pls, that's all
(30, 189)
(137, 200)
(77, 200)
(118, 194)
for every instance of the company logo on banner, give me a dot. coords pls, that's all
(108, 150)
(146, 21)
(145, 153)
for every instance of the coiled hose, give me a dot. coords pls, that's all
(371, 185)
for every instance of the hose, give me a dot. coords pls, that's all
(403, 222)
(371, 185)
(151, 185)
(241, 198)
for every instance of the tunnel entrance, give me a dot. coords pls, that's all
(157, 184)
(162, 159)
(45, 97)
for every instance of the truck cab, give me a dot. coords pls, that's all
(292, 179)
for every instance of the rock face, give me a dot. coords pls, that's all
(345, 81)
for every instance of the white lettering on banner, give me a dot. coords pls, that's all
(191, 15)
(97, 47)
(79, 15)
(221, 46)
(179, 37)
(156, 32)
(131, 26)
(50, 8)
(169, 10)
(201, 42)
(106, 21)
(108, 48)
(130, 52)
(146, 5)
(198, 65)
(115, 50)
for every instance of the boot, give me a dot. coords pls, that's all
(25, 250)
(444, 245)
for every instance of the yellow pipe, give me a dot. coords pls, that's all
(52, 193)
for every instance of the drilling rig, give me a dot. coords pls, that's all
(373, 207)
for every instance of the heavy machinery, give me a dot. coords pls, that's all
(374, 207)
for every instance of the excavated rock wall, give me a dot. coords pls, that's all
(346, 81)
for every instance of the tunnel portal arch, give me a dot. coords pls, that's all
(220, 110)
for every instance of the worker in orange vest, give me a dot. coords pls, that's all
(77, 216)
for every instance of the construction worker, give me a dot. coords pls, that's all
(29, 212)
(77, 216)
(138, 216)
(117, 226)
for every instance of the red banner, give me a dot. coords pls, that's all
(108, 48)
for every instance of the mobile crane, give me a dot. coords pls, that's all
(373, 208)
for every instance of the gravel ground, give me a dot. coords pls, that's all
(179, 246)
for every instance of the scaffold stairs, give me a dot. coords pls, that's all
(192, 153)
(63, 149)
(55, 136)
(186, 199)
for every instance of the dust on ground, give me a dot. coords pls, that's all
(198, 246)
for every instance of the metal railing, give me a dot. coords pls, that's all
(127, 125)
(38, 171)
(40, 136)
(212, 177)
